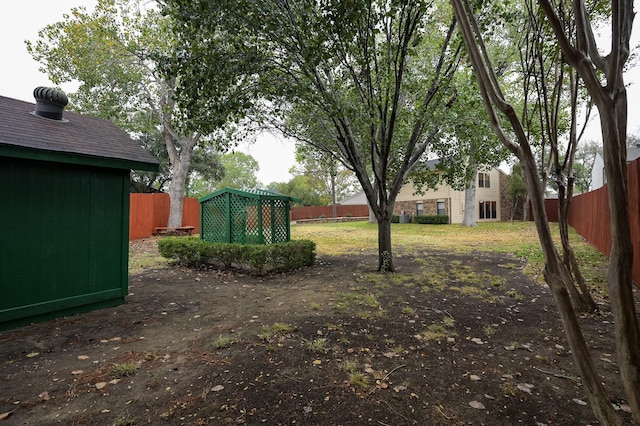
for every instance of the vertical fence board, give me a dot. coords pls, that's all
(191, 213)
(589, 216)
(148, 211)
(551, 206)
(634, 214)
(140, 216)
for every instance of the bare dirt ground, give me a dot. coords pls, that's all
(468, 340)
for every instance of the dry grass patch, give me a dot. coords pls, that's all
(517, 238)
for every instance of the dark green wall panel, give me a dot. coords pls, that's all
(64, 242)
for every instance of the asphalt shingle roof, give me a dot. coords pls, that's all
(77, 134)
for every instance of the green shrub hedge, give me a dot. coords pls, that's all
(256, 258)
(436, 219)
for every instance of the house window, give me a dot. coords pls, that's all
(488, 210)
(441, 207)
(483, 180)
(419, 208)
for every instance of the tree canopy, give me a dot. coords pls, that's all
(120, 54)
(375, 73)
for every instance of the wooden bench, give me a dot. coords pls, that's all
(180, 230)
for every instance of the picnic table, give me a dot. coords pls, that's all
(180, 230)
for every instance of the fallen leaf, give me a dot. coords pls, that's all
(477, 340)
(477, 405)
(399, 388)
(579, 401)
(525, 387)
(474, 378)
(82, 357)
(383, 385)
(100, 385)
(489, 396)
(44, 396)
(510, 348)
(5, 416)
(77, 372)
(369, 370)
(390, 354)
(33, 354)
(115, 339)
(317, 362)
(106, 410)
(114, 381)
(217, 388)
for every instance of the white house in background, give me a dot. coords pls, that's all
(491, 199)
(598, 175)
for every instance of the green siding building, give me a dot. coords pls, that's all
(64, 209)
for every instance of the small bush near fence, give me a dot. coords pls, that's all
(436, 219)
(256, 258)
(395, 219)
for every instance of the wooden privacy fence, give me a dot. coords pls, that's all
(148, 211)
(315, 212)
(589, 215)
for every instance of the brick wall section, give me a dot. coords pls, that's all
(430, 207)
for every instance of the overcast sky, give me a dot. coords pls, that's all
(19, 75)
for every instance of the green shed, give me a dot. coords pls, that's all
(246, 217)
(64, 186)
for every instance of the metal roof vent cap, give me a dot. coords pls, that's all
(50, 103)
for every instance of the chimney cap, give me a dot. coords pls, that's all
(50, 102)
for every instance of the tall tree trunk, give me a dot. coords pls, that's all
(385, 255)
(525, 208)
(557, 276)
(556, 273)
(180, 165)
(470, 199)
(372, 213)
(610, 96)
(621, 257)
(176, 194)
(579, 293)
(333, 195)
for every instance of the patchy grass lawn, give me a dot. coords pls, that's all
(517, 238)
(460, 335)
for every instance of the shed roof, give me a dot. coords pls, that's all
(256, 194)
(78, 139)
